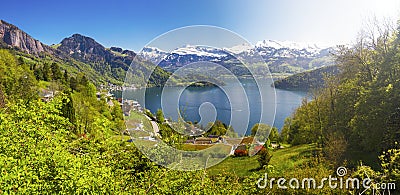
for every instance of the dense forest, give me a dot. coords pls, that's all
(355, 118)
(309, 80)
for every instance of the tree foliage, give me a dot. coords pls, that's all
(16, 80)
(264, 132)
(358, 110)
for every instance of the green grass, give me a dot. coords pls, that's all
(120, 137)
(117, 53)
(194, 147)
(55, 46)
(43, 84)
(139, 134)
(283, 160)
(240, 166)
(137, 117)
(287, 159)
(144, 143)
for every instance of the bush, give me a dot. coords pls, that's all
(264, 157)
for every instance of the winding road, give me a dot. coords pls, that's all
(155, 126)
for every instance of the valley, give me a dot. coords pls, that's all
(73, 122)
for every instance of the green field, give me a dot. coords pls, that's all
(283, 160)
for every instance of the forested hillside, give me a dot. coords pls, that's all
(313, 79)
(356, 117)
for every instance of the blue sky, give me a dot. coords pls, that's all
(132, 24)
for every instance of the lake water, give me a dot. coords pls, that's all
(237, 110)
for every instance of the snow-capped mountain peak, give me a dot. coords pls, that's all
(152, 49)
(199, 51)
(153, 54)
(278, 53)
(239, 48)
(288, 45)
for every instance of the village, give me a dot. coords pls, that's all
(197, 140)
(239, 146)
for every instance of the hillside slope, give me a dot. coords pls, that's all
(306, 80)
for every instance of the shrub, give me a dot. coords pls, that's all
(264, 157)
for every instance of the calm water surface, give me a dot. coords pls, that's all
(232, 110)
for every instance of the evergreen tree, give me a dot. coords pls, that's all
(38, 72)
(68, 110)
(46, 72)
(56, 72)
(83, 80)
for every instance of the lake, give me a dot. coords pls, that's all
(212, 102)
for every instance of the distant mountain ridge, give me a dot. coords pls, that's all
(281, 57)
(80, 53)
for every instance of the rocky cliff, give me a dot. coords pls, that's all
(12, 36)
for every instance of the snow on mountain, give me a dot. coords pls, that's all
(199, 51)
(239, 48)
(153, 54)
(153, 51)
(311, 47)
(282, 56)
(287, 44)
(269, 48)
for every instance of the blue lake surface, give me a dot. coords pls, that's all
(238, 110)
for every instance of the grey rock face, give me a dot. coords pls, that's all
(14, 37)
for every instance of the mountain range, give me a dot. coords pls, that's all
(281, 57)
(79, 53)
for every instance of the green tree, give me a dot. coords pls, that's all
(264, 131)
(66, 77)
(216, 128)
(38, 73)
(46, 72)
(274, 134)
(264, 156)
(160, 116)
(284, 135)
(55, 71)
(231, 132)
(73, 83)
(68, 109)
(16, 81)
(117, 116)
